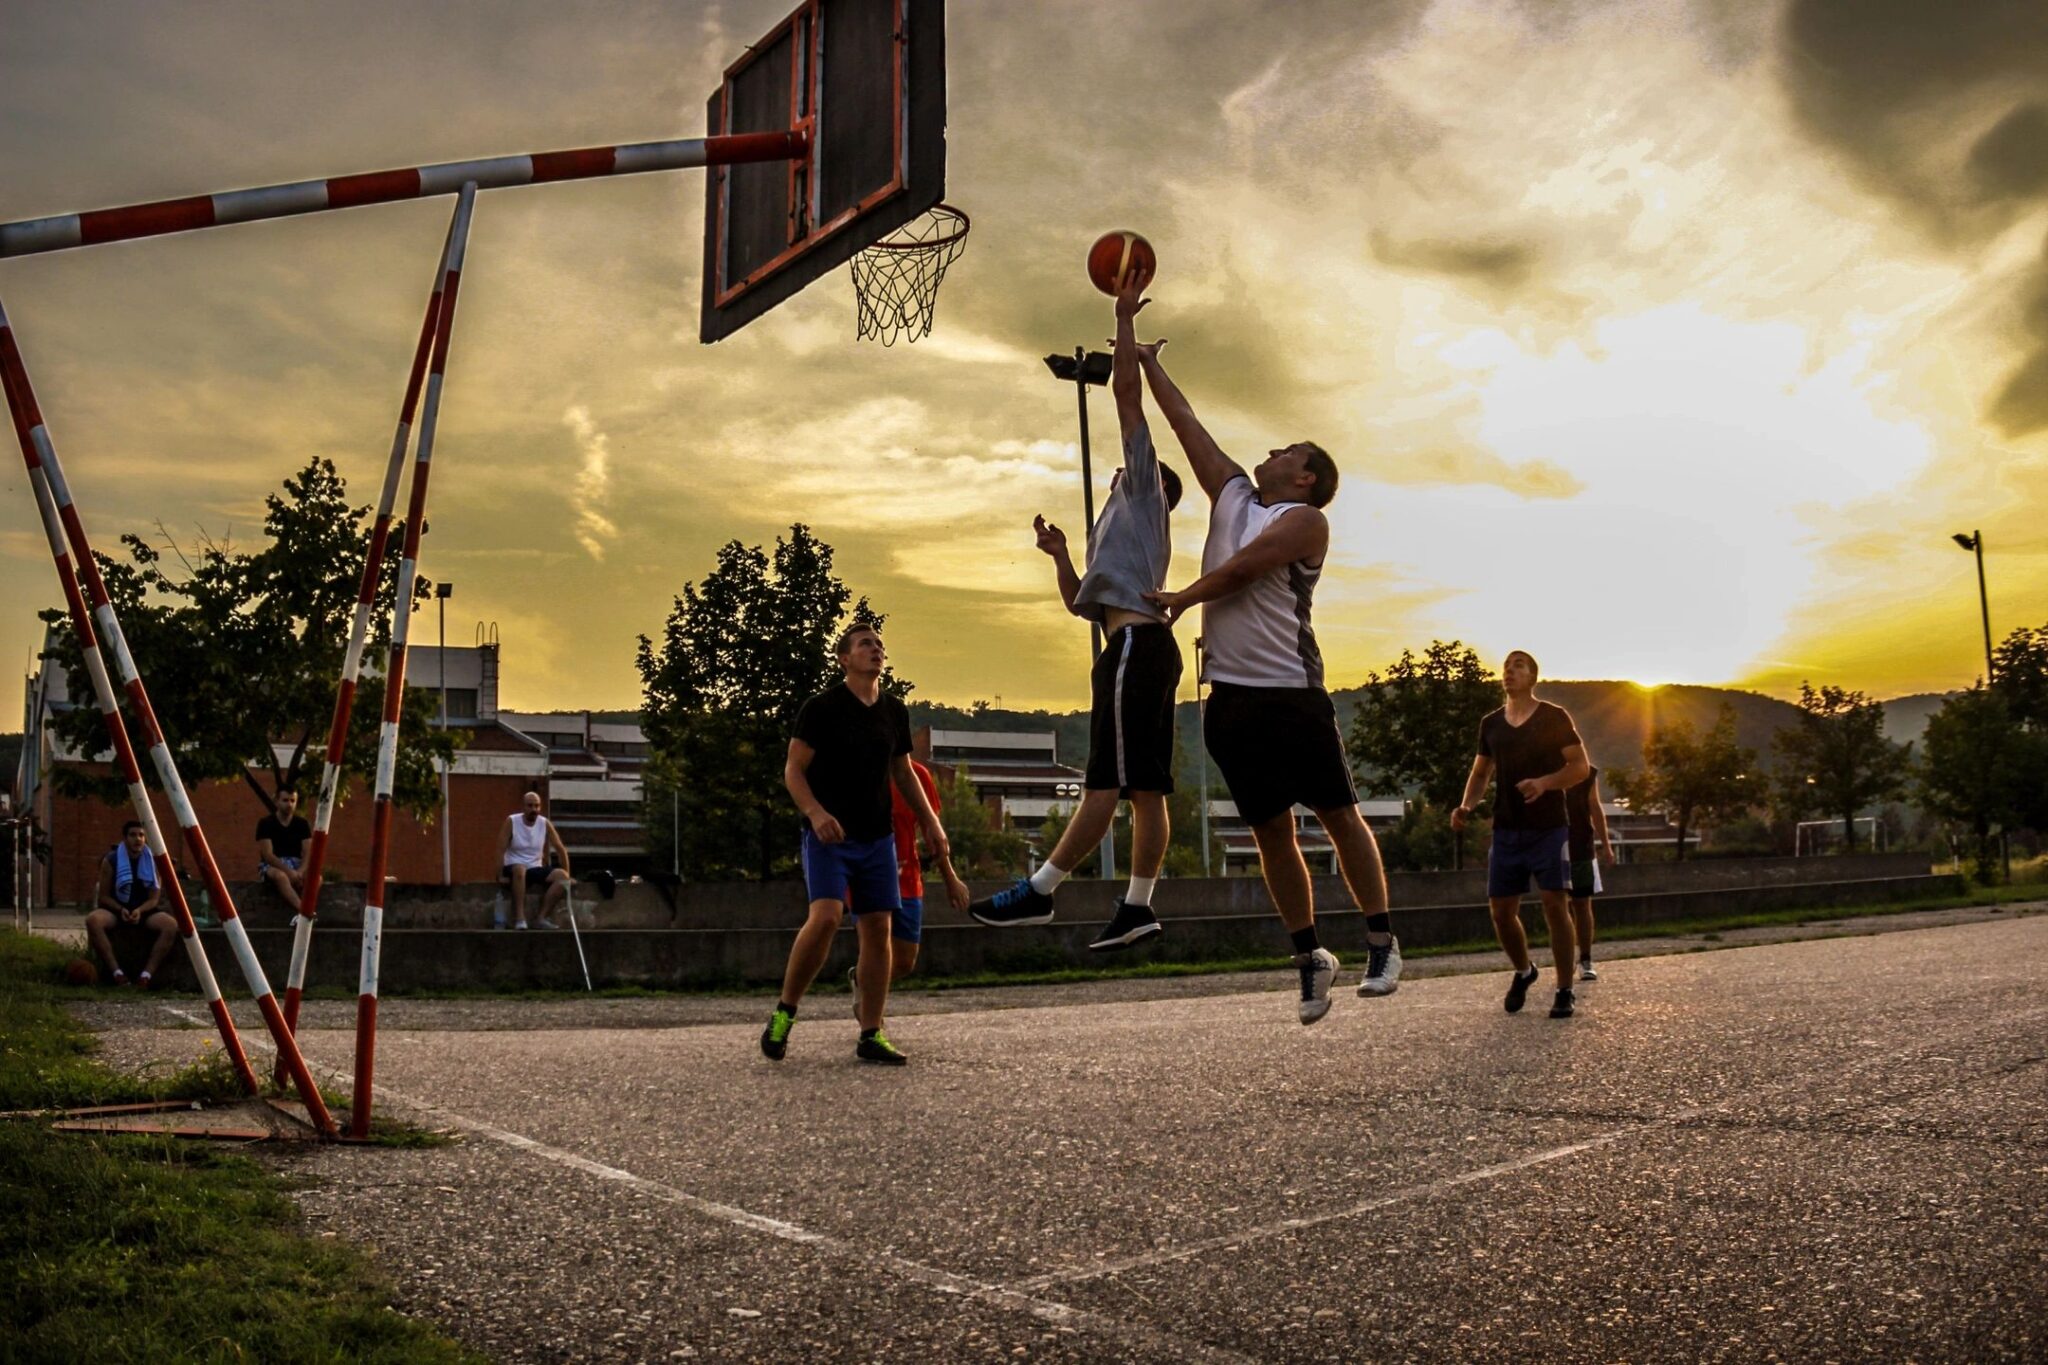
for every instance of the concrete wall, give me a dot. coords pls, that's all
(1221, 928)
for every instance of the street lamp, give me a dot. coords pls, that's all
(1975, 542)
(442, 592)
(1082, 368)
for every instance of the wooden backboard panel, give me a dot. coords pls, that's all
(869, 76)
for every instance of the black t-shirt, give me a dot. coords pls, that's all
(853, 743)
(1535, 748)
(286, 841)
(1578, 810)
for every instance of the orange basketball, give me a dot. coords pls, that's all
(81, 972)
(1120, 256)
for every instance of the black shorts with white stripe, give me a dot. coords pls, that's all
(1278, 747)
(1130, 727)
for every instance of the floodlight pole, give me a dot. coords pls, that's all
(1975, 542)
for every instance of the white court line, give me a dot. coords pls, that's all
(944, 1281)
(1021, 1296)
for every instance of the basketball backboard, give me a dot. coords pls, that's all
(867, 80)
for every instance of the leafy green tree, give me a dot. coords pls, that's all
(1416, 726)
(1691, 776)
(983, 846)
(243, 651)
(1984, 769)
(1422, 840)
(2022, 659)
(740, 653)
(1835, 757)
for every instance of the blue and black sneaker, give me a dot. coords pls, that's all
(1018, 903)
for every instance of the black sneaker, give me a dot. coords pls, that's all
(1131, 924)
(775, 1038)
(875, 1047)
(1518, 990)
(1018, 903)
(1561, 1008)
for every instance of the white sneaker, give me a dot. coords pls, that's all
(1318, 969)
(1586, 972)
(1382, 970)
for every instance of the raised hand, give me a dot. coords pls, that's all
(1131, 301)
(1051, 539)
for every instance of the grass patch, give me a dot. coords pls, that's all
(149, 1248)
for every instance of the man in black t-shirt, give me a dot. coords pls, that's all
(852, 742)
(1532, 751)
(280, 844)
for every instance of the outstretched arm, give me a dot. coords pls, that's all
(1053, 541)
(1123, 362)
(1298, 536)
(1212, 467)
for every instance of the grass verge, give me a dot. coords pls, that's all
(148, 1249)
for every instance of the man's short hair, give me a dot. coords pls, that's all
(844, 644)
(1169, 483)
(1527, 657)
(132, 824)
(1324, 468)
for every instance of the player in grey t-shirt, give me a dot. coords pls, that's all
(1130, 752)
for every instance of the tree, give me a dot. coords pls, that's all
(982, 845)
(1835, 757)
(244, 652)
(740, 653)
(1975, 766)
(1415, 728)
(2022, 659)
(1691, 776)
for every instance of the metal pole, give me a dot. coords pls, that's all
(1202, 754)
(1088, 510)
(72, 554)
(675, 833)
(394, 682)
(441, 597)
(1984, 602)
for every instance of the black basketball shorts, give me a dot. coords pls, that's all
(1130, 728)
(1277, 747)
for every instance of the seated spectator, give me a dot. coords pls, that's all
(280, 845)
(530, 852)
(129, 900)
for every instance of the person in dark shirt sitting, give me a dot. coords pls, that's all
(1533, 753)
(280, 844)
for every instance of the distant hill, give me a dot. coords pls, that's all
(1614, 718)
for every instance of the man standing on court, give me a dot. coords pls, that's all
(531, 853)
(1130, 725)
(1532, 751)
(1588, 823)
(1271, 726)
(852, 743)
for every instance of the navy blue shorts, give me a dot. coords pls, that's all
(1519, 854)
(861, 876)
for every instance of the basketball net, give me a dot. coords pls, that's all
(896, 281)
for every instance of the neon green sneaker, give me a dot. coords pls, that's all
(775, 1038)
(875, 1047)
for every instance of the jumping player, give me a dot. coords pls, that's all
(1532, 751)
(906, 929)
(1270, 725)
(1130, 735)
(1587, 822)
(852, 742)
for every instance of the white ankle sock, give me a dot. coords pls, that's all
(1141, 891)
(1047, 879)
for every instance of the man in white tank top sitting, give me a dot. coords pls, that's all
(1270, 724)
(524, 850)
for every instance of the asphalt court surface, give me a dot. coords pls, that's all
(1834, 1149)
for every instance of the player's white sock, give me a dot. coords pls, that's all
(1141, 891)
(1047, 879)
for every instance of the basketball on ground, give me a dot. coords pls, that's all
(1120, 256)
(80, 972)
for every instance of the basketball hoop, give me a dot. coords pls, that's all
(896, 281)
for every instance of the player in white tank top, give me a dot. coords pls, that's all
(1270, 725)
(523, 847)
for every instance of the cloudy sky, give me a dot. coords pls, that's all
(1669, 339)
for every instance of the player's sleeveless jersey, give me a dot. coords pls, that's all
(529, 842)
(1259, 637)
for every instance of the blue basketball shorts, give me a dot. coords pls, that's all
(861, 876)
(1520, 855)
